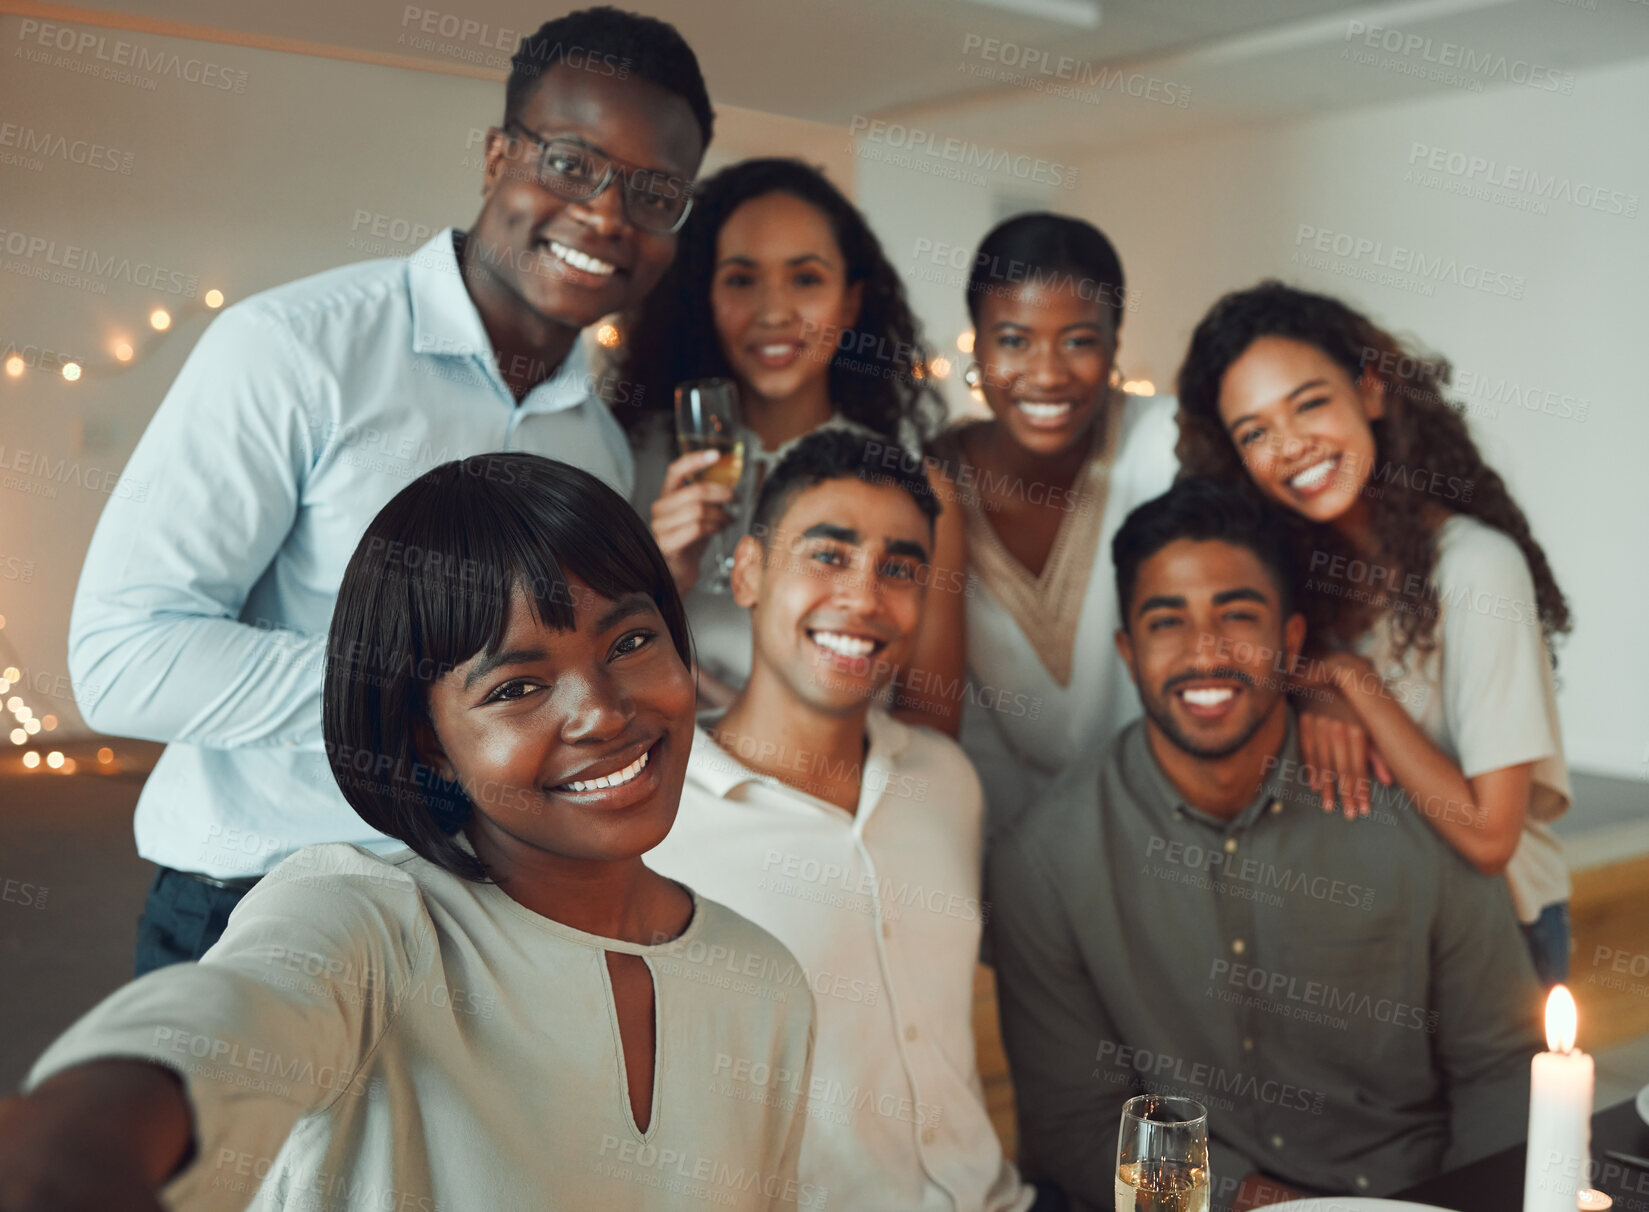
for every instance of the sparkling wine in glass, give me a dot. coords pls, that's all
(707, 418)
(1162, 1156)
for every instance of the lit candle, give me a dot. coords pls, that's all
(1560, 1114)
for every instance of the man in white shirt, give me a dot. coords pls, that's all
(202, 610)
(852, 837)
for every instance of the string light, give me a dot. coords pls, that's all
(940, 367)
(18, 736)
(31, 759)
(608, 336)
(124, 351)
(964, 342)
(54, 759)
(105, 755)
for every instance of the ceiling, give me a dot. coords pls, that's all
(930, 62)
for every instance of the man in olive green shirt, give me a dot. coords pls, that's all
(1351, 1001)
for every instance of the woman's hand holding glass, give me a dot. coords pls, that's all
(688, 513)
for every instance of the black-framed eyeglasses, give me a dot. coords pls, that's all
(653, 201)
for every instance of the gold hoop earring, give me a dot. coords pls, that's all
(1116, 376)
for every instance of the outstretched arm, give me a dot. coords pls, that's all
(100, 1137)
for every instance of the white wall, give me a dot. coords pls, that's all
(291, 170)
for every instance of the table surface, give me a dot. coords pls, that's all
(1495, 1184)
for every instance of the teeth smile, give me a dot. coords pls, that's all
(844, 645)
(1212, 696)
(616, 779)
(579, 260)
(1043, 412)
(1313, 476)
(776, 351)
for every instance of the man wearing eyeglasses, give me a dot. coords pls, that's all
(202, 611)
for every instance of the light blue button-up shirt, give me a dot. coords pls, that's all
(203, 607)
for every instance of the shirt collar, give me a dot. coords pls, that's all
(717, 771)
(444, 319)
(445, 323)
(1161, 796)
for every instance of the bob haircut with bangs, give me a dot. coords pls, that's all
(429, 587)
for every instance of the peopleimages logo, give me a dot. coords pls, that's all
(118, 54)
(1444, 61)
(1376, 256)
(1495, 181)
(87, 264)
(912, 143)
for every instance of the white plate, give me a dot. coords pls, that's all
(1351, 1203)
(1643, 1104)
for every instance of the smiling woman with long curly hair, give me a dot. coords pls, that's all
(1427, 596)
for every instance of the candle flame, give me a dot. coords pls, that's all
(1561, 1020)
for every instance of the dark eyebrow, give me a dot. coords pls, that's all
(512, 656)
(740, 259)
(829, 530)
(628, 606)
(907, 547)
(1249, 416)
(1245, 594)
(1161, 601)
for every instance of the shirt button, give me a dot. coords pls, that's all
(1276, 1142)
(1231, 845)
(910, 1032)
(1247, 1044)
(1238, 946)
(1276, 805)
(1362, 1182)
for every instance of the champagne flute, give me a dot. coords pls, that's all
(1162, 1156)
(707, 418)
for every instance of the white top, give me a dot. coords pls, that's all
(882, 908)
(376, 1033)
(203, 606)
(1020, 724)
(1485, 694)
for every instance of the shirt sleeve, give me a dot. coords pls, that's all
(277, 1020)
(156, 648)
(1487, 1002)
(1053, 1023)
(792, 1193)
(1495, 660)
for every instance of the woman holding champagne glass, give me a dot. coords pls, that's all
(780, 289)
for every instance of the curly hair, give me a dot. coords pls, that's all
(878, 373)
(1420, 428)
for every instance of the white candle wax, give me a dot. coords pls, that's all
(1560, 1115)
